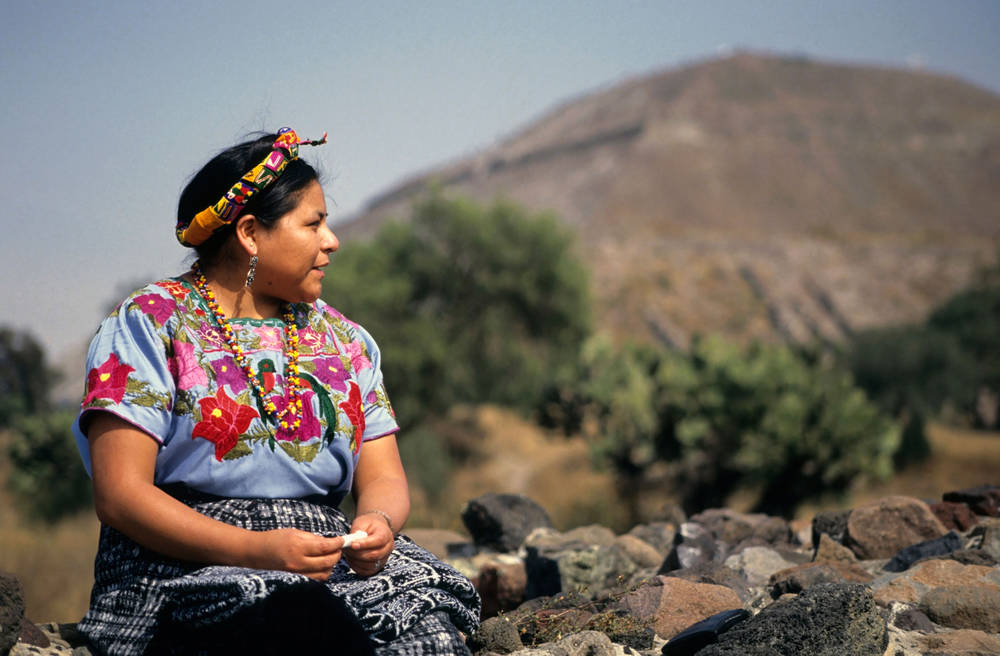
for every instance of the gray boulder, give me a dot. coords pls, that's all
(503, 521)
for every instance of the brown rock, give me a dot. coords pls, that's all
(983, 500)
(735, 528)
(882, 528)
(677, 604)
(832, 552)
(716, 574)
(639, 551)
(797, 579)
(973, 557)
(910, 586)
(956, 516)
(960, 607)
(32, 635)
(501, 585)
(959, 643)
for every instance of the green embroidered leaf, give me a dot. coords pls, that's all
(239, 451)
(141, 393)
(244, 397)
(257, 435)
(134, 386)
(299, 452)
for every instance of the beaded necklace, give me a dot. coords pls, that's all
(294, 383)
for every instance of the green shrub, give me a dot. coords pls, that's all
(46, 474)
(726, 418)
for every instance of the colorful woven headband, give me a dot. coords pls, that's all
(224, 212)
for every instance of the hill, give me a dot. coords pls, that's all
(759, 196)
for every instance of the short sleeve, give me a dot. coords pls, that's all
(128, 371)
(380, 420)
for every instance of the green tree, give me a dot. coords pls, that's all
(25, 377)
(973, 318)
(468, 304)
(916, 370)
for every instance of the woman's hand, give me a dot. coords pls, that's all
(124, 461)
(368, 555)
(301, 552)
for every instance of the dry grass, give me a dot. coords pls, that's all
(55, 563)
(961, 458)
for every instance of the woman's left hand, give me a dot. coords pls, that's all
(369, 555)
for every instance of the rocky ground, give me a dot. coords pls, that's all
(896, 577)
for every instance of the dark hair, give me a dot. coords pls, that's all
(209, 184)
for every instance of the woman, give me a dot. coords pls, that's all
(227, 413)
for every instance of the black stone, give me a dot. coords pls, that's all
(832, 523)
(11, 611)
(503, 521)
(830, 619)
(497, 635)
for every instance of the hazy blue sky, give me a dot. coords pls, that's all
(106, 108)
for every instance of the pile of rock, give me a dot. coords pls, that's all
(898, 576)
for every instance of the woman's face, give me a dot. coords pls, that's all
(293, 253)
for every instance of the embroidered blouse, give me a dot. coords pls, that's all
(160, 363)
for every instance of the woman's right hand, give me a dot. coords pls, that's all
(292, 550)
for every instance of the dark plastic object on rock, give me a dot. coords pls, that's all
(941, 546)
(703, 633)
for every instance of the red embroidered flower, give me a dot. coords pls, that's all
(176, 289)
(352, 408)
(108, 380)
(223, 420)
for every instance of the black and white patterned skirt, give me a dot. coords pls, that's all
(145, 603)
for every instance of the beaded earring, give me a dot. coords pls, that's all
(252, 272)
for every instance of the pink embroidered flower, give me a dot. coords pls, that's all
(223, 421)
(331, 371)
(310, 341)
(184, 368)
(108, 380)
(371, 398)
(270, 338)
(359, 361)
(309, 428)
(356, 414)
(156, 306)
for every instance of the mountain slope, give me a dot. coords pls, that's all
(759, 196)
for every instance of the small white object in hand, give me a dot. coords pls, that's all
(351, 538)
